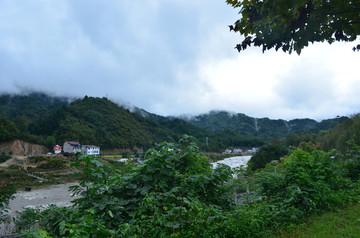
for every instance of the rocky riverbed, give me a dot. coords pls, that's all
(38, 198)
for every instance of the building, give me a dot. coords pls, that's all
(71, 147)
(90, 150)
(57, 149)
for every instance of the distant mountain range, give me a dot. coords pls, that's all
(49, 120)
(220, 121)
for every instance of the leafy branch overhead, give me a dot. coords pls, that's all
(291, 25)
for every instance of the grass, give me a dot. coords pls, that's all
(54, 170)
(111, 156)
(343, 223)
(20, 180)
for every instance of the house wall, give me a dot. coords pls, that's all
(71, 149)
(90, 150)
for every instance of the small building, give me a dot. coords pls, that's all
(90, 150)
(57, 149)
(71, 147)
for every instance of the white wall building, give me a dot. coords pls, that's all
(90, 150)
(71, 147)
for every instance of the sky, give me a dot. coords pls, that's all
(169, 57)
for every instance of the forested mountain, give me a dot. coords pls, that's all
(43, 119)
(265, 128)
(339, 136)
(100, 121)
(31, 106)
(50, 120)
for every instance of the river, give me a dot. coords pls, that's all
(234, 162)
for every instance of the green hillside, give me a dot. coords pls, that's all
(30, 106)
(338, 137)
(31, 112)
(48, 120)
(264, 128)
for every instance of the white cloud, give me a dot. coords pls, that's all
(168, 57)
(315, 84)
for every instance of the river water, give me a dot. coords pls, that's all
(234, 162)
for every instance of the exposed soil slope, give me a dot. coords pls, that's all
(22, 148)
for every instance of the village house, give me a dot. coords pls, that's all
(71, 147)
(57, 149)
(90, 150)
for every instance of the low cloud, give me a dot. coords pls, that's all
(169, 57)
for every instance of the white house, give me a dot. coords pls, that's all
(90, 150)
(71, 147)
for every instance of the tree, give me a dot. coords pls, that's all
(6, 194)
(267, 153)
(291, 25)
(174, 193)
(8, 130)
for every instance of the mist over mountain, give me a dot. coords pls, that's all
(220, 121)
(44, 119)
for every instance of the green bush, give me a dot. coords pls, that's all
(53, 163)
(6, 193)
(26, 219)
(37, 159)
(176, 193)
(306, 183)
(268, 153)
(4, 157)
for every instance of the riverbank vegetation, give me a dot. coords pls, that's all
(176, 193)
(334, 224)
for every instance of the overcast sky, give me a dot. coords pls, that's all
(169, 57)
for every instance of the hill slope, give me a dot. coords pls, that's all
(50, 120)
(219, 121)
(43, 119)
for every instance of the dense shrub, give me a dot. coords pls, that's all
(306, 183)
(45, 162)
(6, 193)
(268, 153)
(38, 158)
(176, 193)
(4, 157)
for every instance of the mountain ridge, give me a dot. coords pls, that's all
(48, 120)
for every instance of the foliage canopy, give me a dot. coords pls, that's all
(8, 130)
(6, 193)
(176, 193)
(291, 25)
